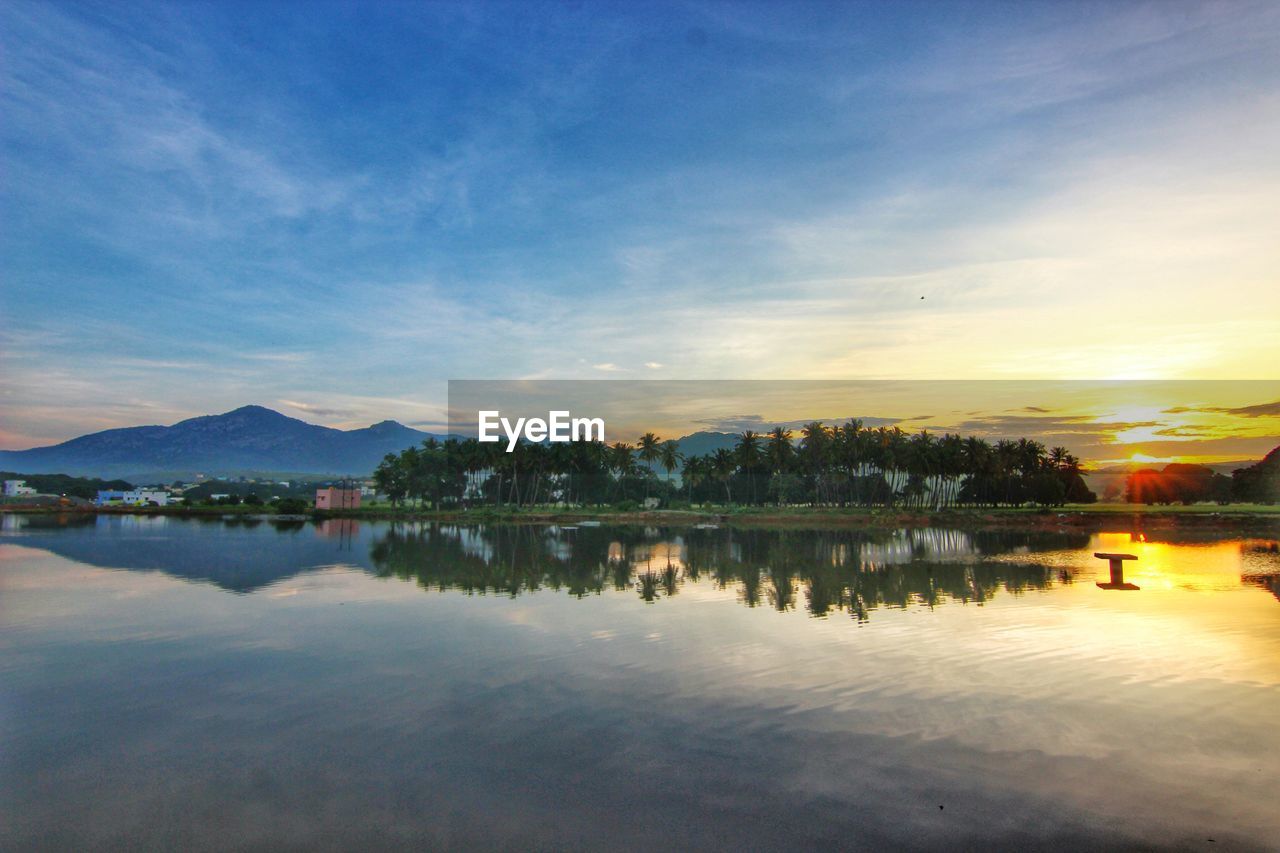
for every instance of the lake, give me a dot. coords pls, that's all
(193, 684)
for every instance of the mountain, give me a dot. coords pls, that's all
(251, 438)
(704, 443)
(697, 444)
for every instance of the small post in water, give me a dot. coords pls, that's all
(1117, 570)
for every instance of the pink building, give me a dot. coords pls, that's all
(332, 498)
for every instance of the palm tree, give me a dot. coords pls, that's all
(722, 468)
(921, 464)
(620, 460)
(649, 450)
(978, 459)
(562, 461)
(813, 453)
(847, 448)
(951, 467)
(779, 452)
(1030, 455)
(696, 470)
(1058, 457)
(1006, 462)
(670, 456)
(747, 452)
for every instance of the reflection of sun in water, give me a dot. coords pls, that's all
(1201, 566)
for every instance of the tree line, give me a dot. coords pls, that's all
(846, 465)
(63, 484)
(1184, 483)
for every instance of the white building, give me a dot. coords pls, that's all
(17, 489)
(135, 497)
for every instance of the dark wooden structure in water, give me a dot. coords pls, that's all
(1117, 570)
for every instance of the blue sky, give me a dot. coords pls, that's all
(332, 209)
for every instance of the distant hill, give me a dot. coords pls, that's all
(251, 438)
(698, 444)
(703, 443)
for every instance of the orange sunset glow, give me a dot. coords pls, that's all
(1101, 422)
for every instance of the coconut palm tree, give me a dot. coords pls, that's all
(847, 446)
(779, 451)
(1006, 462)
(649, 449)
(723, 467)
(695, 473)
(748, 454)
(814, 442)
(621, 461)
(951, 468)
(669, 456)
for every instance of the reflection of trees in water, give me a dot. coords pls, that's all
(1270, 581)
(61, 521)
(830, 569)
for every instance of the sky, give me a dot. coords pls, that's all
(1102, 422)
(331, 210)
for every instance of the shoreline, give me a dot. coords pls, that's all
(1072, 517)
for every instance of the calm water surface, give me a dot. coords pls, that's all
(186, 684)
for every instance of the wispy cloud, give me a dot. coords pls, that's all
(758, 423)
(320, 411)
(1038, 426)
(1260, 410)
(1063, 190)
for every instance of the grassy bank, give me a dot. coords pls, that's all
(1261, 517)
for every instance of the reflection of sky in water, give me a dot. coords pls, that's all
(325, 705)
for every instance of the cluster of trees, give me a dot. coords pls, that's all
(286, 505)
(1259, 483)
(851, 466)
(249, 499)
(64, 484)
(1177, 483)
(1188, 484)
(264, 491)
(846, 465)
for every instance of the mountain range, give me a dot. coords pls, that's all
(251, 438)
